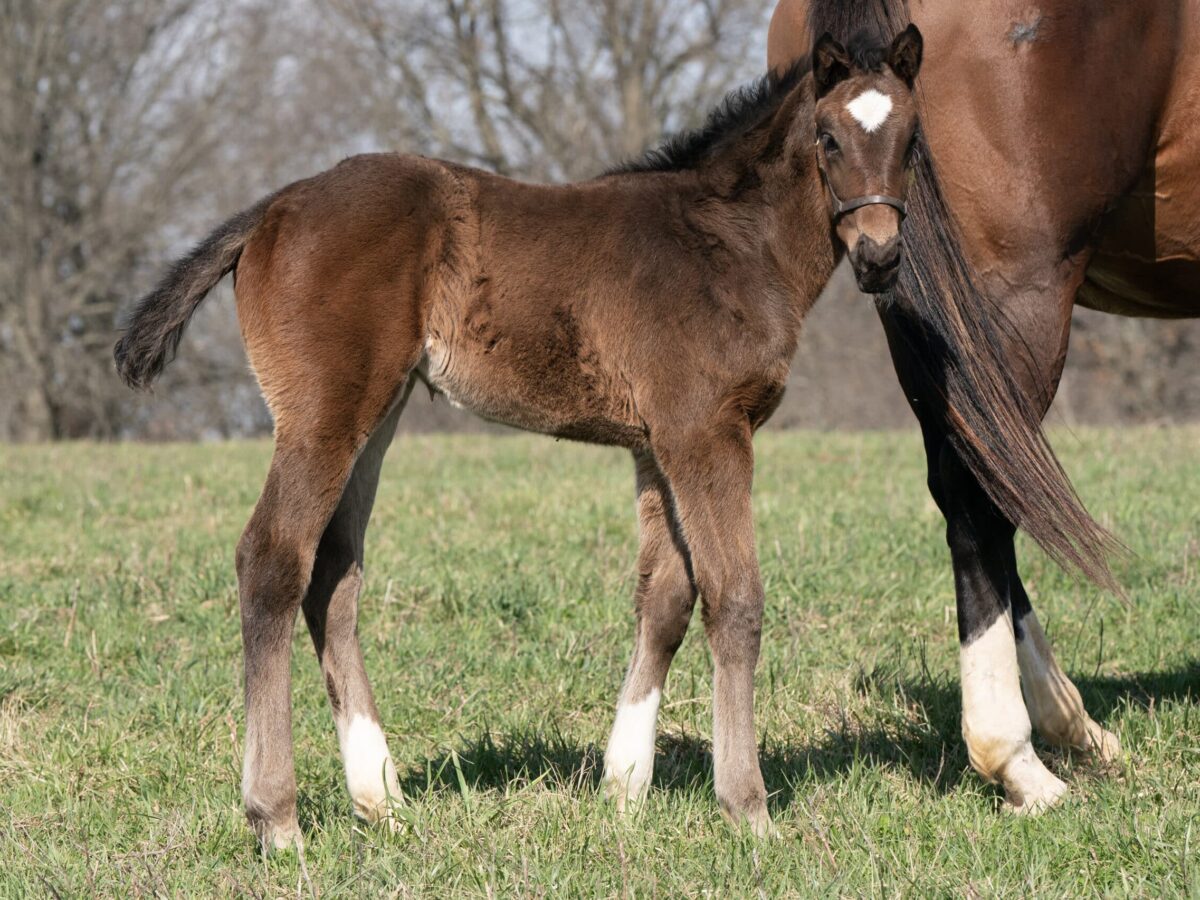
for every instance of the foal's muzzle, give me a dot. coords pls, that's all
(876, 265)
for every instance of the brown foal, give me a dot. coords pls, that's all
(655, 308)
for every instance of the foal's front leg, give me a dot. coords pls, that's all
(709, 471)
(664, 600)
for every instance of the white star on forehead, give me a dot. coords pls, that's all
(870, 109)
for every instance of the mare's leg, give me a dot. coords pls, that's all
(331, 611)
(663, 600)
(995, 723)
(1054, 704)
(709, 470)
(993, 607)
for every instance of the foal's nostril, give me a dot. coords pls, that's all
(879, 256)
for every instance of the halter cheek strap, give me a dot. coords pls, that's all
(844, 207)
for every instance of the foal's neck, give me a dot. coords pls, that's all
(769, 176)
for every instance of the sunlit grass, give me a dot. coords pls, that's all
(497, 624)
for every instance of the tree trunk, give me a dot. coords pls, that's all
(34, 419)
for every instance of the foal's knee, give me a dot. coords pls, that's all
(733, 612)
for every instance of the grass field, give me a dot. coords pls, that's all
(497, 624)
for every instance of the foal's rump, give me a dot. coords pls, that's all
(333, 277)
(334, 286)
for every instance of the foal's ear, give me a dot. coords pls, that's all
(830, 64)
(904, 57)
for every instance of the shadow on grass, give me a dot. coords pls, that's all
(1104, 695)
(919, 736)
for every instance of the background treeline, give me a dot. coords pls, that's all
(129, 128)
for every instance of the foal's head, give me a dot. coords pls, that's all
(866, 133)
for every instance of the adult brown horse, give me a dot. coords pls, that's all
(656, 308)
(1066, 138)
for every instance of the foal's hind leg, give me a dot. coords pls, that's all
(331, 611)
(664, 600)
(315, 453)
(274, 565)
(709, 471)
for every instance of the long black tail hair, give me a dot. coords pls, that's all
(966, 351)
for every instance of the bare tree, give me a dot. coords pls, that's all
(129, 127)
(109, 123)
(550, 89)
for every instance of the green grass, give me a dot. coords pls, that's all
(497, 624)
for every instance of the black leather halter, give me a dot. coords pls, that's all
(844, 207)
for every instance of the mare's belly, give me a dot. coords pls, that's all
(1148, 263)
(1148, 259)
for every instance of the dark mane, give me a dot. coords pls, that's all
(964, 346)
(744, 108)
(740, 111)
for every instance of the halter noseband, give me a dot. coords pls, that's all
(842, 208)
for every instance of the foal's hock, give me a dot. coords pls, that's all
(655, 308)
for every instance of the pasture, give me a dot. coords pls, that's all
(497, 625)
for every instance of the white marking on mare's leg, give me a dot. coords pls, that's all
(870, 109)
(629, 759)
(995, 723)
(370, 775)
(1053, 701)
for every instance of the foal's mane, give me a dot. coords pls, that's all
(742, 110)
(961, 340)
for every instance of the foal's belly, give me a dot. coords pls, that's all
(536, 373)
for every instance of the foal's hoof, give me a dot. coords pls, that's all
(754, 817)
(379, 815)
(627, 790)
(278, 836)
(761, 825)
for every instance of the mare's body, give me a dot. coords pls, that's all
(1067, 144)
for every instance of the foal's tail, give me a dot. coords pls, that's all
(153, 332)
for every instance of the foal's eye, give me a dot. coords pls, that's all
(828, 144)
(910, 153)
